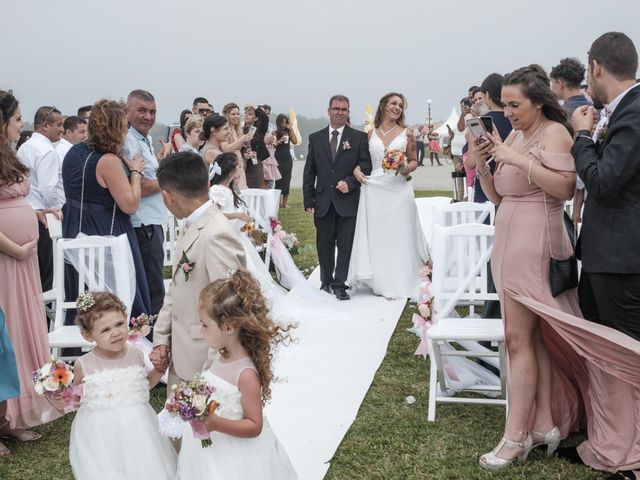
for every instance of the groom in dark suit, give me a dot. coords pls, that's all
(610, 168)
(331, 192)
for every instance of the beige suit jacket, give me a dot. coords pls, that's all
(213, 245)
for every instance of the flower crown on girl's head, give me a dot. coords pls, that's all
(85, 302)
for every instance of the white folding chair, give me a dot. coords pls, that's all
(425, 206)
(94, 273)
(171, 232)
(463, 281)
(55, 232)
(262, 204)
(463, 212)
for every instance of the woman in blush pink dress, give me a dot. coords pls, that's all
(20, 290)
(563, 369)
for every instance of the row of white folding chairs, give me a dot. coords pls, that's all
(461, 247)
(262, 204)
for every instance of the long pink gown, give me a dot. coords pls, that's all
(21, 300)
(595, 369)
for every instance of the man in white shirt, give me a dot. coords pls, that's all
(75, 131)
(45, 177)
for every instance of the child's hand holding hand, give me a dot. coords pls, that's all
(159, 357)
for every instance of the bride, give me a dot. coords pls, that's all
(389, 248)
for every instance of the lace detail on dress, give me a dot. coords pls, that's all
(117, 387)
(377, 148)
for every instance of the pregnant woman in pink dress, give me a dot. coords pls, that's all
(20, 290)
(563, 369)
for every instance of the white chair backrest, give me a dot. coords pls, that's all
(463, 212)
(425, 206)
(460, 254)
(262, 205)
(55, 232)
(171, 233)
(102, 263)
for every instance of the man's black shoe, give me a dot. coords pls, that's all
(570, 454)
(326, 288)
(341, 294)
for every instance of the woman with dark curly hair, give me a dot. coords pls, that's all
(111, 190)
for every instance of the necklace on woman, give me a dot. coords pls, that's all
(532, 137)
(384, 134)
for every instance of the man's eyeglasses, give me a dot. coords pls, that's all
(53, 109)
(204, 111)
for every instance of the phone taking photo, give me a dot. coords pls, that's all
(477, 129)
(252, 131)
(487, 121)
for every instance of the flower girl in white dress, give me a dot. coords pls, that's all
(235, 322)
(115, 432)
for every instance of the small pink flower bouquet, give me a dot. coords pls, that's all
(191, 402)
(289, 240)
(140, 326)
(54, 379)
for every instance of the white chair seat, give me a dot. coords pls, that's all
(68, 336)
(480, 329)
(49, 296)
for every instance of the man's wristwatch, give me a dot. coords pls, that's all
(583, 134)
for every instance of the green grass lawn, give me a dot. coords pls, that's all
(389, 439)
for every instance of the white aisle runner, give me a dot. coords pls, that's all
(326, 375)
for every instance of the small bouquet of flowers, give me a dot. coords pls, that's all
(253, 233)
(191, 402)
(140, 326)
(394, 161)
(289, 240)
(422, 320)
(53, 379)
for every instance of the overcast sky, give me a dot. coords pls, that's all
(291, 54)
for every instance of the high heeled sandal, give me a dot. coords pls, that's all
(489, 461)
(4, 450)
(551, 440)
(21, 435)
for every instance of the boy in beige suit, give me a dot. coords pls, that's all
(206, 251)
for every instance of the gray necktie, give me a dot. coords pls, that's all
(334, 144)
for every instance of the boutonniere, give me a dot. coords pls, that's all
(346, 145)
(186, 266)
(602, 133)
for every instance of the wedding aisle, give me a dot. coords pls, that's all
(325, 376)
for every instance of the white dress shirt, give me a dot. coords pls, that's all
(340, 130)
(62, 148)
(197, 213)
(45, 172)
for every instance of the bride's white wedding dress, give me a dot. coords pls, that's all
(389, 248)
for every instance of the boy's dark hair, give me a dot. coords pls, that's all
(86, 108)
(570, 71)
(72, 122)
(185, 173)
(617, 53)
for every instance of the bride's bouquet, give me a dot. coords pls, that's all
(394, 161)
(53, 381)
(191, 402)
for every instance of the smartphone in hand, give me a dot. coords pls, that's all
(477, 129)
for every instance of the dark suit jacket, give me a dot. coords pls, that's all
(321, 175)
(610, 237)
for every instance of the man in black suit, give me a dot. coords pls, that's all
(331, 192)
(610, 168)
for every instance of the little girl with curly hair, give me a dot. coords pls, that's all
(235, 322)
(115, 431)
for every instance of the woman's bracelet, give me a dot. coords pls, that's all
(135, 172)
(485, 173)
